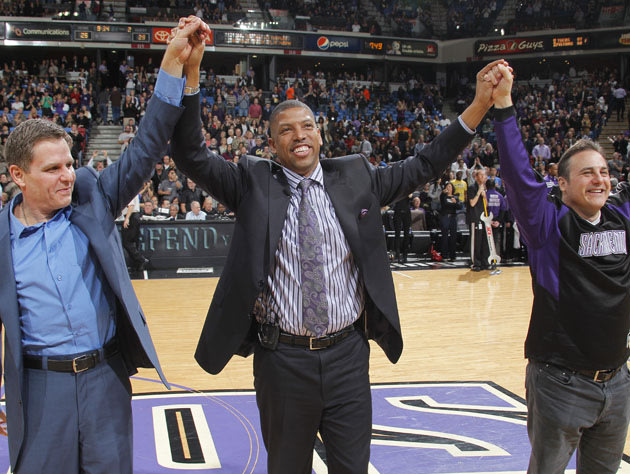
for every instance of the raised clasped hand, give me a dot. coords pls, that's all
(186, 41)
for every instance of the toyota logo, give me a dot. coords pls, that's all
(161, 36)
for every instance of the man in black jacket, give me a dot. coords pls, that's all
(307, 278)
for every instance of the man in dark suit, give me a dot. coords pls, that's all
(74, 329)
(307, 278)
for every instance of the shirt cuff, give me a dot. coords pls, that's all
(464, 126)
(500, 115)
(169, 89)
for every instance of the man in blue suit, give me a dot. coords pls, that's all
(74, 329)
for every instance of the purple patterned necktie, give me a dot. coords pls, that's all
(314, 304)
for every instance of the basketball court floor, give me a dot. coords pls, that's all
(453, 404)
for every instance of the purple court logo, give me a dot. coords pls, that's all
(429, 428)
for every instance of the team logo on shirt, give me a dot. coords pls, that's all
(601, 244)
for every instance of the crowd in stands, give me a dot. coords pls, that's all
(354, 115)
(471, 18)
(212, 11)
(555, 14)
(464, 18)
(412, 19)
(25, 8)
(325, 14)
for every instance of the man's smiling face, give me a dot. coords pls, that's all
(296, 140)
(588, 185)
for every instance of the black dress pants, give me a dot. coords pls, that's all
(300, 392)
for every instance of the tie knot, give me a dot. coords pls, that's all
(304, 185)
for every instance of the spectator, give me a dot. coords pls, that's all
(460, 186)
(188, 195)
(174, 214)
(619, 93)
(477, 206)
(125, 138)
(541, 151)
(169, 188)
(448, 221)
(496, 208)
(116, 101)
(195, 213)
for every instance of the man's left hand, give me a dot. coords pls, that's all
(184, 39)
(488, 80)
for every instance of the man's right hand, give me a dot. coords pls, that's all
(184, 39)
(502, 78)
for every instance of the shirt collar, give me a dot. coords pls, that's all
(317, 175)
(20, 230)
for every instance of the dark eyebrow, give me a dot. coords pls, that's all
(591, 168)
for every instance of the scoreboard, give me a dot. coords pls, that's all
(112, 33)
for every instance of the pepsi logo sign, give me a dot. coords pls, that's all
(323, 43)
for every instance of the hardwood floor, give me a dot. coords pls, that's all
(457, 326)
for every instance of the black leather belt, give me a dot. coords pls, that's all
(316, 343)
(77, 364)
(599, 375)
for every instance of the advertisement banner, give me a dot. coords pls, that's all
(536, 44)
(509, 46)
(613, 39)
(160, 35)
(410, 48)
(174, 244)
(253, 39)
(611, 15)
(331, 44)
(38, 31)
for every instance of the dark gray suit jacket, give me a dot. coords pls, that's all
(96, 201)
(258, 192)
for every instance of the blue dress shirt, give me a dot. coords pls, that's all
(66, 305)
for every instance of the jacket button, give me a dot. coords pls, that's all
(261, 284)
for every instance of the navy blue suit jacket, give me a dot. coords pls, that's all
(96, 202)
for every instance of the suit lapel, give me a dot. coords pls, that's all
(279, 198)
(342, 197)
(95, 235)
(8, 295)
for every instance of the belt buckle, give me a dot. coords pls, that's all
(606, 375)
(79, 360)
(310, 344)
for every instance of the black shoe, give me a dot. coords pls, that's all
(476, 268)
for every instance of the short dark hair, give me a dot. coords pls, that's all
(287, 104)
(584, 144)
(20, 143)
